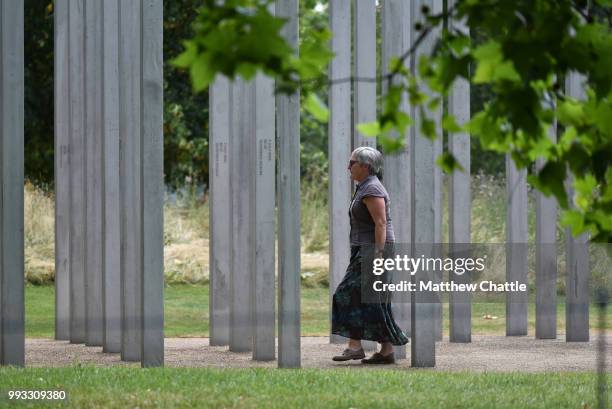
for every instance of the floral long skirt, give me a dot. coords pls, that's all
(351, 318)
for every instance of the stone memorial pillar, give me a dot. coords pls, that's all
(94, 307)
(364, 102)
(152, 176)
(424, 218)
(12, 304)
(220, 209)
(111, 227)
(62, 169)
(577, 256)
(76, 44)
(339, 146)
(288, 184)
(241, 319)
(516, 247)
(460, 205)
(263, 218)
(396, 41)
(130, 163)
(546, 260)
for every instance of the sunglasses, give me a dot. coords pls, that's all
(352, 162)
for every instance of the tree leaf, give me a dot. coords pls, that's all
(391, 144)
(449, 124)
(574, 220)
(460, 44)
(316, 107)
(491, 66)
(550, 180)
(449, 163)
(570, 112)
(201, 74)
(369, 128)
(185, 58)
(428, 128)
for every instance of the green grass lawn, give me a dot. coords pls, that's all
(89, 387)
(186, 313)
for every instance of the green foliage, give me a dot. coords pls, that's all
(313, 132)
(526, 50)
(243, 51)
(491, 66)
(241, 37)
(448, 163)
(316, 107)
(185, 156)
(38, 91)
(530, 47)
(185, 112)
(235, 37)
(481, 159)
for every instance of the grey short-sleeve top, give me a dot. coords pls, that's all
(362, 224)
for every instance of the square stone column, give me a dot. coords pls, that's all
(62, 169)
(219, 209)
(288, 184)
(12, 305)
(396, 41)
(516, 247)
(460, 204)
(339, 146)
(577, 254)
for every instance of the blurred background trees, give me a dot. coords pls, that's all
(185, 112)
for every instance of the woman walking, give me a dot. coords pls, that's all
(370, 227)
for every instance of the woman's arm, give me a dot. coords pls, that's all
(376, 207)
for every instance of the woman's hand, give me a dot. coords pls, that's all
(376, 207)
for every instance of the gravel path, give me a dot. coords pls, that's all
(484, 353)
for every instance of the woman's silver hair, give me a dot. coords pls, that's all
(371, 157)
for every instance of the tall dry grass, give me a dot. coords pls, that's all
(185, 238)
(186, 231)
(39, 235)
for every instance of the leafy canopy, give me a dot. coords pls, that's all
(531, 48)
(242, 37)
